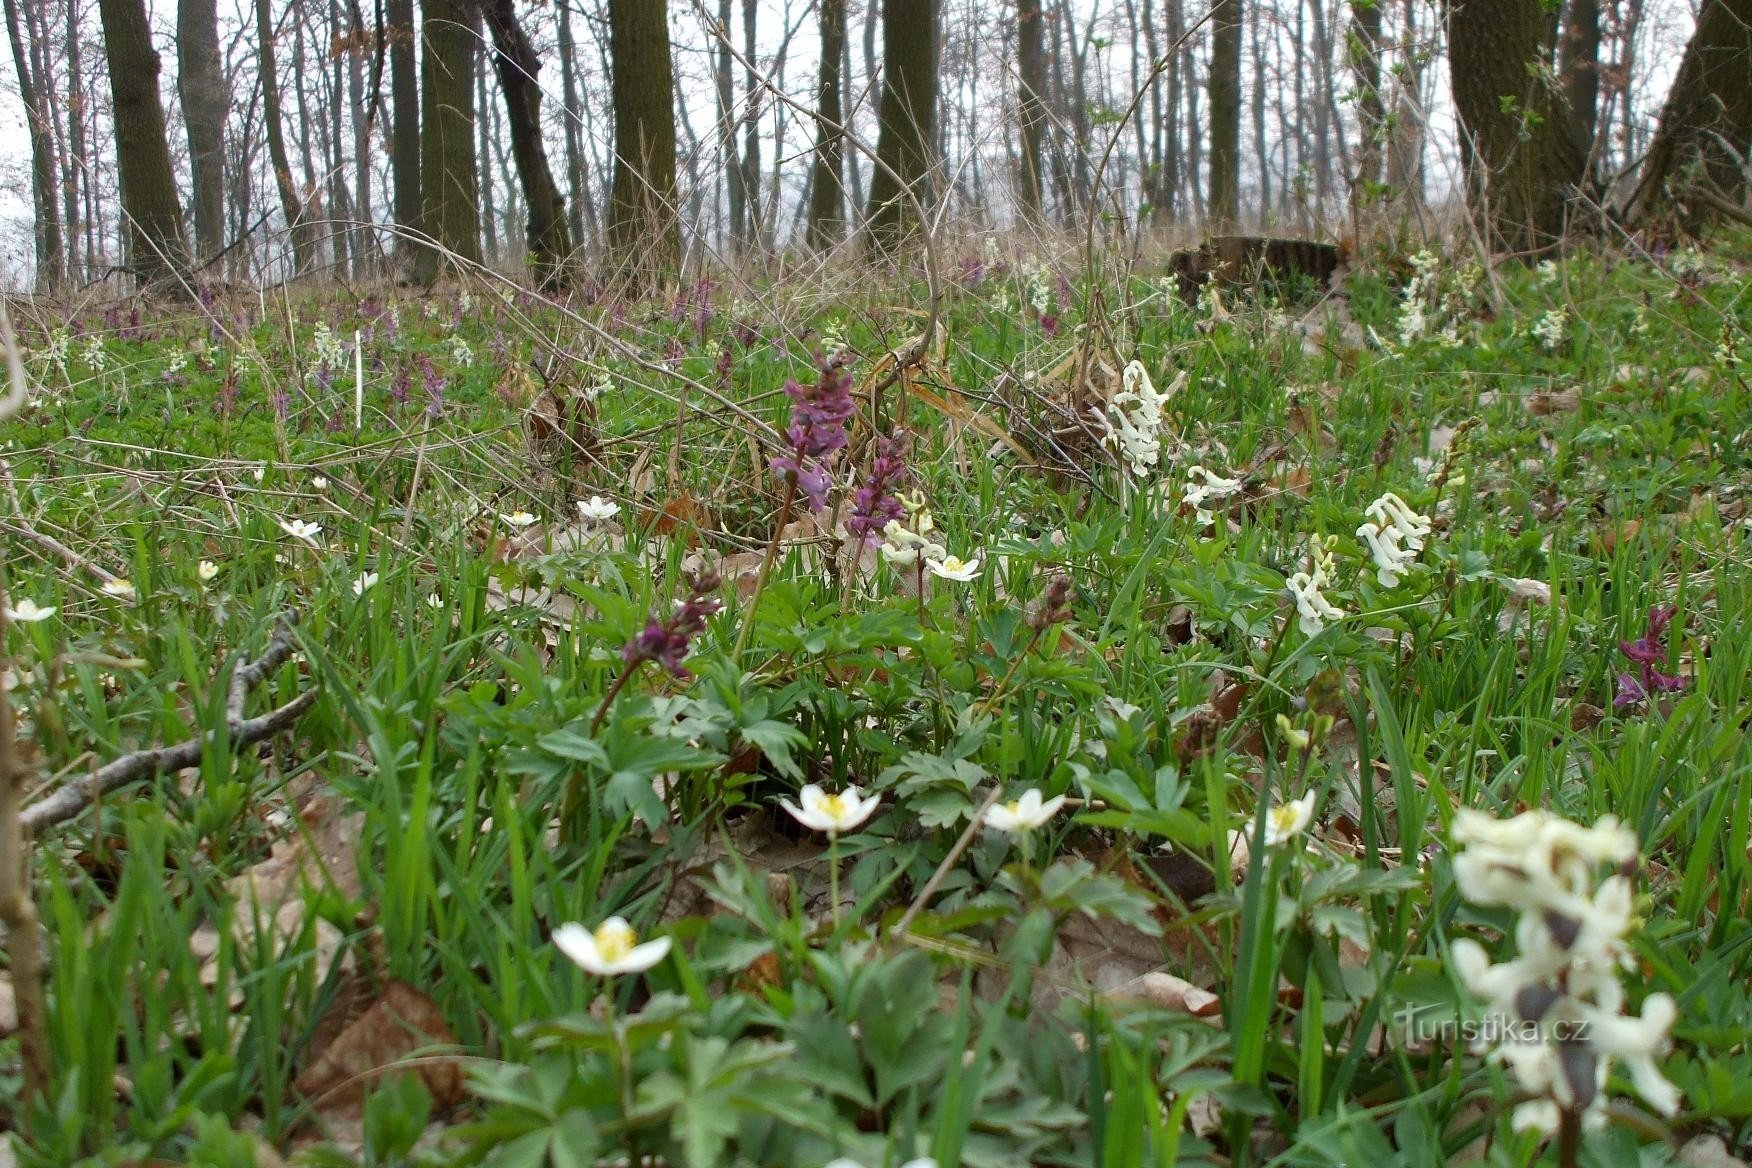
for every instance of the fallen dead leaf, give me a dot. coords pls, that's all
(399, 1024)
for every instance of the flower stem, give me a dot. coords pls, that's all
(833, 877)
(620, 683)
(766, 566)
(1569, 1137)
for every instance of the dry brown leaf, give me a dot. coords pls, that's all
(1547, 401)
(400, 1023)
(1176, 993)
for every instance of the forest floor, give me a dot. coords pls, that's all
(1262, 927)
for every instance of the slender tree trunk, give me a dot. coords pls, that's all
(1522, 157)
(340, 203)
(309, 191)
(731, 162)
(1261, 145)
(291, 204)
(1225, 91)
(751, 228)
(1579, 65)
(484, 161)
(644, 234)
(1363, 47)
(365, 239)
(404, 103)
(1710, 96)
(549, 237)
(450, 211)
(827, 190)
(154, 229)
(1031, 84)
(575, 176)
(202, 93)
(909, 102)
(47, 223)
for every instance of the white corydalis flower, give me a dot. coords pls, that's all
(954, 568)
(903, 546)
(596, 509)
(1204, 486)
(611, 949)
(1313, 610)
(29, 612)
(1023, 814)
(1134, 419)
(1555, 1011)
(832, 814)
(1288, 820)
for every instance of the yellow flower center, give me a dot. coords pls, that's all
(1014, 807)
(614, 941)
(834, 807)
(1284, 817)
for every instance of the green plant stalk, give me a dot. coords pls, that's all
(766, 567)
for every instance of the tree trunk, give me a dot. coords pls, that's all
(1710, 96)
(549, 238)
(489, 203)
(1261, 145)
(404, 103)
(291, 204)
(31, 92)
(751, 227)
(575, 176)
(1518, 143)
(1363, 47)
(365, 249)
(153, 230)
(644, 233)
(1031, 84)
(450, 212)
(202, 94)
(909, 103)
(1579, 66)
(1225, 91)
(826, 187)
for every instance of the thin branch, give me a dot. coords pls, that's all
(70, 800)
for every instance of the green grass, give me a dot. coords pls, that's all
(482, 809)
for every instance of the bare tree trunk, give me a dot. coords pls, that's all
(153, 229)
(548, 237)
(1579, 66)
(47, 219)
(1522, 158)
(731, 161)
(751, 226)
(1031, 83)
(575, 175)
(309, 192)
(291, 204)
(1364, 50)
(1405, 137)
(1710, 96)
(827, 190)
(1225, 92)
(1261, 145)
(340, 202)
(909, 102)
(644, 234)
(202, 93)
(404, 102)
(484, 161)
(450, 211)
(364, 238)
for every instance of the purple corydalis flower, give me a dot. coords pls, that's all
(817, 430)
(874, 504)
(665, 640)
(1647, 651)
(434, 387)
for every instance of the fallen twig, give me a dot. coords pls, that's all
(70, 800)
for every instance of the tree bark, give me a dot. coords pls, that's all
(1710, 96)
(1031, 84)
(1518, 142)
(1225, 91)
(751, 226)
(32, 93)
(548, 236)
(906, 119)
(153, 229)
(1363, 48)
(202, 93)
(450, 212)
(644, 233)
(404, 103)
(826, 186)
(485, 125)
(1579, 65)
(291, 204)
(575, 176)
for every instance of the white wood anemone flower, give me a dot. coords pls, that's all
(364, 583)
(611, 949)
(596, 509)
(832, 813)
(206, 570)
(29, 612)
(299, 529)
(954, 568)
(120, 587)
(1288, 820)
(1024, 813)
(518, 519)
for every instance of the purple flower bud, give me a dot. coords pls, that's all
(819, 414)
(874, 504)
(665, 640)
